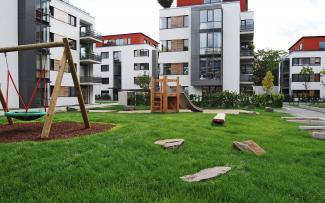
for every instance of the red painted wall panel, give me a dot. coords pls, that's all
(308, 44)
(136, 38)
(180, 3)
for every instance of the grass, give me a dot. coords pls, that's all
(104, 102)
(124, 165)
(319, 105)
(121, 108)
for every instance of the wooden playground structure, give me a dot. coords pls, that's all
(164, 95)
(66, 59)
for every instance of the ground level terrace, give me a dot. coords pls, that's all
(123, 164)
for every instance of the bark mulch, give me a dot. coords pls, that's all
(61, 130)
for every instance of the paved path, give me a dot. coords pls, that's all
(299, 112)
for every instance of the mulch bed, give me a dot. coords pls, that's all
(61, 130)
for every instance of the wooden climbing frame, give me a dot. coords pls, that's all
(164, 97)
(66, 59)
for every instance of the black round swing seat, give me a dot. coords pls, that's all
(25, 116)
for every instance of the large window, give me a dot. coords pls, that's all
(313, 61)
(174, 22)
(210, 43)
(104, 68)
(141, 53)
(322, 46)
(305, 78)
(210, 68)
(174, 45)
(141, 66)
(105, 81)
(210, 19)
(104, 55)
(175, 69)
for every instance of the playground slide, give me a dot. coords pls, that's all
(186, 103)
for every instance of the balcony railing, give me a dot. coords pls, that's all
(246, 78)
(247, 52)
(210, 25)
(90, 56)
(90, 33)
(247, 27)
(208, 51)
(90, 79)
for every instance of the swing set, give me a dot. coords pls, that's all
(28, 115)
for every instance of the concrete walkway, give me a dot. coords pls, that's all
(300, 112)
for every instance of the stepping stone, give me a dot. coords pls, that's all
(170, 143)
(206, 174)
(269, 109)
(249, 146)
(319, 135)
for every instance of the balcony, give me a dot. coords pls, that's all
(210, 51)
(90, 58)
(247, 28)
(247, 53)
(247, 79)
(210, 25)
(90, 37)
(90, 80)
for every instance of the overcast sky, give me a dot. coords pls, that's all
(278, 23)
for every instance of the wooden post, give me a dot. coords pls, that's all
(76, 83)
(54, 97)
(165, 95)
(3, 103)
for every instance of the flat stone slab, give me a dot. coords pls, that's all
(170, 143)
(319, 135)
(312, 127)
(206, 174)
(249, 146)
(308, 122)
(303, 118)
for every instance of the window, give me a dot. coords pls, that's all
(72, 20)
(313, 61)
(210, 68)
(51, 64)
(73, 44)
(174, 22)
(104, 55)
(141, 66)
(174, 45)
(117, 56)
(141, 53)
(210, 19)
(104, 68)
(105, 81)
(175, 69)
(322, 46)
(210, 43)
(305, 78)
(51, 11)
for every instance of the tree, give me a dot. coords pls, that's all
(322, 74)
(143, 82)
(267, 60)
(268, 82)
(306, 72)
(166, 3)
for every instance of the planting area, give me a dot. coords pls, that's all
(124, 165)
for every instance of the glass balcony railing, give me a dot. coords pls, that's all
(210, 25)
(247, 52)
(90, 33)
(90, 56)
(246, 78)
(209, 51)
(90, 79)
(247, 27)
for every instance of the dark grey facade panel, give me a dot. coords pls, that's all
(155, 63)
(26, 59)
(195, 46)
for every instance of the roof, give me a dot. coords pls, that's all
(134, 33)
(304, 37)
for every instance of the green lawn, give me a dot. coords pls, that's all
(124, 165)
(121, 108)
(319, 105)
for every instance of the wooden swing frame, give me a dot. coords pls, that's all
(66, 59)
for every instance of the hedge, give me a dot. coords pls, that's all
(234, 100)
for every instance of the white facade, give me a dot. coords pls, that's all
(9, 37)
(128, 61)
(317, 69)
(232, 36)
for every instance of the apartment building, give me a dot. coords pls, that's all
(41, 21)
(209, 45)
(308, 51)
(124, 57)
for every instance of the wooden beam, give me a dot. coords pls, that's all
(32, 46)
(76, 84)
(54, 97)
(3, 103)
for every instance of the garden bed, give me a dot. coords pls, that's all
(32, 131)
